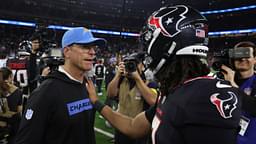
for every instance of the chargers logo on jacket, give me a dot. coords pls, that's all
(79, 106)
(224, 106)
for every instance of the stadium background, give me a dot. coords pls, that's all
(119, 21)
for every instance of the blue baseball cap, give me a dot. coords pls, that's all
(81, 35)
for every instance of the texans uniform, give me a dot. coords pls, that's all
(201, 111)
(19, 67)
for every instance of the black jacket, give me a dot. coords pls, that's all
(58, 112)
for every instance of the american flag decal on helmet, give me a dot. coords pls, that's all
(200, 33)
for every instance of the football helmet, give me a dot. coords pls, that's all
(174, 30)
(25, 48)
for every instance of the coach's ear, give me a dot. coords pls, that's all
(66, 51)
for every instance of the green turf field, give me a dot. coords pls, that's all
(101, 138)
(100, 124)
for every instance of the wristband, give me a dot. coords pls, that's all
(41, 78)
(98, 105)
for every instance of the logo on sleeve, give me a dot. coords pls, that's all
(225, 106)
(79, 106)
(220, 85)
(29, 114)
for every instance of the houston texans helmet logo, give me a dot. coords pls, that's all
(225, 106)
(164, 21)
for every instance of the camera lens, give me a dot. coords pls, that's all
(216, 66)
(219, 75)
(130, 66)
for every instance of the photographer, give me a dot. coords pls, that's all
(243, 76)
(133, 91)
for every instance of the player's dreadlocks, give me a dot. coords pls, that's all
(180, 69)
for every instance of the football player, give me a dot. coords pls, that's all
(192, 107)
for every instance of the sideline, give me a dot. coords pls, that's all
(104, 132)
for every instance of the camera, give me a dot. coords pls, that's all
(221, 58)
(130, 66)
(53, 59)
(239, 53)
(226, 57)
(133, 60)
(53, 63)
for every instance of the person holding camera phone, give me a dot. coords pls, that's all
(243, 76)
(59, 111)
(134, 93)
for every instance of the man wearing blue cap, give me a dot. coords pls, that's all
(59, 111)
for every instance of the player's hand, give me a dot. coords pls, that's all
(91, 90)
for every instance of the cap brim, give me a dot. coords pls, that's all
(94, 41)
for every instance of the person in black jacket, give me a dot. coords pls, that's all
(10, 102)
(36, 71)
(59, 111)
(192, 107)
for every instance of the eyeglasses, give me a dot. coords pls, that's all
(86, 48)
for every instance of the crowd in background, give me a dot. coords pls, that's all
(109, 56)
(12, 36)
